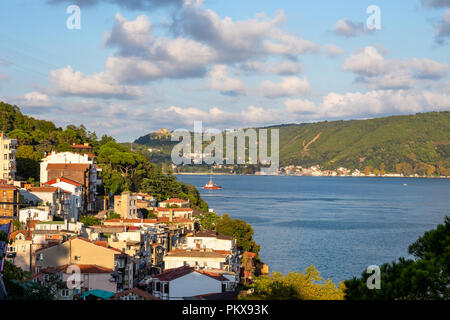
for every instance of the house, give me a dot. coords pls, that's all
(9, 200)
(42, 213)
(175, 202)
(186, 282)
(207, 239)
(81, 168)
(203, 258)
(53, 197)
(134, 294)
(75, 192)
(20, 251)
(75, 279)
(126, 205)
(76, 250)
(8, 149)
(92, 277)
(174, 212)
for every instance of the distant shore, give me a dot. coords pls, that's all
(293, 175)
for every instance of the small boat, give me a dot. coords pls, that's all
(211, 185)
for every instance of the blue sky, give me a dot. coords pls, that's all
(132, 69)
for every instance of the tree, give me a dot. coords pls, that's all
(240, 230)
(306, 285)
(425, 277)
(90, 221)
(368, 170)
(404, 168)
(19, 287)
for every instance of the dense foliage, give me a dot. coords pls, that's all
(426, 277)
(306, 285)
(19, 287)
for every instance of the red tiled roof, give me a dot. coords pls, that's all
(101, 243)
(62, 179)
(24, 232)
(138, 292)
(98, 243)
(172, 274)
(5, 186)
(175, 200)
(176, 273)
(214, 275)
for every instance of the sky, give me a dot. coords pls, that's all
(130, 67)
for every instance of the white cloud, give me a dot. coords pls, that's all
(300, 106)
(333, 50)
(67, 82)
(376, 72)
(288, 86)
(285, 67)
(373, 103)
(218, 79)
(348, 28)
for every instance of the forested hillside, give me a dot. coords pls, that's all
(405, 144)
(398, 143)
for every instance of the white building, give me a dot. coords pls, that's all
(75, 191)
(7, 157)
(36, 213)
(185, 282)
(211, 240)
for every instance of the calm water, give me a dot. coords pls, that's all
(341, 225)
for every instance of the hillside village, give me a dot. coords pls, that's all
(86, 245)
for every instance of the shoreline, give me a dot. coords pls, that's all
(293, 175)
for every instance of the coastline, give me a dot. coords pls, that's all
(293, 175)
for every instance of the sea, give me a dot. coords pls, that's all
(340, 225)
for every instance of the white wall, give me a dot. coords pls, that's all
(35, 214)
(193, 284)
(176, 262)
(211, 243)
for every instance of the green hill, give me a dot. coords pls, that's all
(415, 143)
(406, 140)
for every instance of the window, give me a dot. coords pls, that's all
(65, 293)
(23, 248)
(158, 286)
(224, 287)
(166, 288)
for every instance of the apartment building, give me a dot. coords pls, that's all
(8, 148)
(126, 205)
(9, 200)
